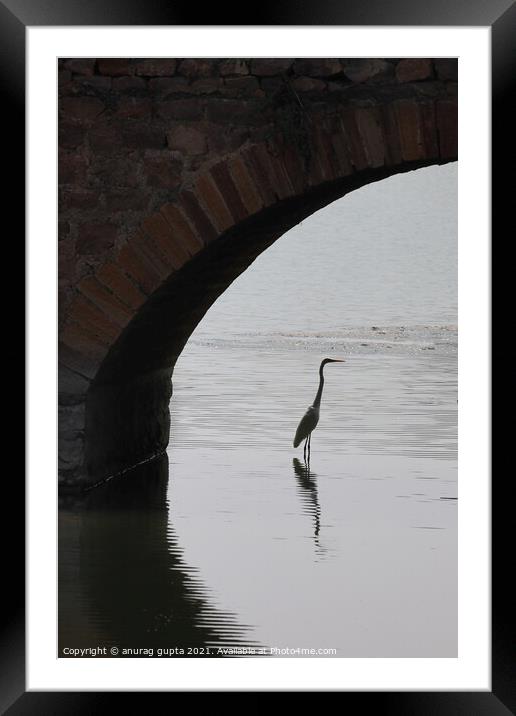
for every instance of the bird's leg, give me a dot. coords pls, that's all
(304, 449)
(309, 441)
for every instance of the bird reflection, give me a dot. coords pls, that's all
(309, 496)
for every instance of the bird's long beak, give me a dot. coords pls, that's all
(337, 360)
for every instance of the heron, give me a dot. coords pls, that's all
(311, 417)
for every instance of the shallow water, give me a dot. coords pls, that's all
(233, 540)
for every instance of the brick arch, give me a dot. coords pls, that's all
(126, 321)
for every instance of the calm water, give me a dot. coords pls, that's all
(230, 540)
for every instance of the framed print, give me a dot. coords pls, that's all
(190, 536)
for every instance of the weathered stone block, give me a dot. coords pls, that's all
(95, 237)
(82, 109)
(241, 85)
(129, 83)
(105, 300)
(105, 138)
(84, 66)
(308, 84)
(187, 139)
(134, 107)
(196, 68)
(168, 85)
(115, 67)
(162, 171)
(269, 67)
(414, 69)
(318, 67)
(233, 67)
(365, 70)
(180, 109)
(156, 67)
(447, 68)
(71, 135)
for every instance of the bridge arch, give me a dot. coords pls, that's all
(135, 286)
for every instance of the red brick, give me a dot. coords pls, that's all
(258, 163)
(156, 67)
(246, 186)
(353, 139)
(392, 135)
(198, 217)
(146, 248)
(159, 229)
(213, 204)
(94, 238)
(116, 67)
(138, 269)
(89, 350)
(447, 125)
(87, 314)
(106, 301)
(414, 69)
(84, 109)
(282, 177)
(430, 134)
(295, 168)
(181, 230)
(321, 166)
(340, 148)
(412, 146)
(228, 191)
(370, 129)
(120, 285)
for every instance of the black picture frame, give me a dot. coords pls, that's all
(500, 15)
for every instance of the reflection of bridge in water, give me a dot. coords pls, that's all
(122, 578)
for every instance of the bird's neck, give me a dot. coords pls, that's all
(317, 401)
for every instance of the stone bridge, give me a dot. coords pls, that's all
(174, 174)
